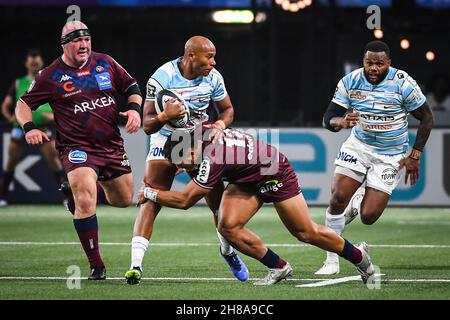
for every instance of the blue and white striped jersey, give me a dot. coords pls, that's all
(383, 108)
(197, 93)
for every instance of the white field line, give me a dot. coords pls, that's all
(212, 279)
(191, 244)
(329, 282)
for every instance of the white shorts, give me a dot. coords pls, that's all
(156, 151)
(357, 161)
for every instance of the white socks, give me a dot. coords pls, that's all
(336, 223)
(138, 247)
(225, 247)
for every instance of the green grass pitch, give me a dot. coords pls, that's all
(38, 244)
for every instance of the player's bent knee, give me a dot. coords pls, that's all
(338, 199)
(84, 204)
(123, 201)
(308, 236)
(228, 230)
(368, 220)
(370, 217)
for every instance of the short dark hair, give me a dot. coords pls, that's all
(377, 46)
(33, 53)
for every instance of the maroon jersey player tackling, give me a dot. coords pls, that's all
(256, 173)
(80, 87)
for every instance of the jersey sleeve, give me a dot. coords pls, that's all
(413, 97)
(39, 92)
(219, 92)
(341, 95)
(158, 81)
(209, 173)
(122, 79)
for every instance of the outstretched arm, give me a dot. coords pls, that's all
(174, 199)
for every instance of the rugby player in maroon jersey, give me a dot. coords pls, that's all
(80, 87)
(257, 173)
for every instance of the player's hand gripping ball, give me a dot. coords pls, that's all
(174, 106)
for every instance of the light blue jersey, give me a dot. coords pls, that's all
(197, 93)
(383, 108)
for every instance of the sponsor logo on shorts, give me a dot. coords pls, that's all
(157, 151)
(344, 156)
(271, 185)
(125, 162)
(77, 156)
(388, 175)
(103, 81)
(203, 171)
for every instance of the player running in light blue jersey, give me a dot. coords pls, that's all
(194, 77)
(374, 101)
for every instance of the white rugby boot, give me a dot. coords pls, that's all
(275, 276)
(365, 267)
(330, 265)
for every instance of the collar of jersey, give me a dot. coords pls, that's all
(88, 62)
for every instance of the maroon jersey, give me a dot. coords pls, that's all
(244, 160)
(83, 102)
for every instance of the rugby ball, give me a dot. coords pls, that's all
(160, 104)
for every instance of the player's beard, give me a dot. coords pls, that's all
(379, 78)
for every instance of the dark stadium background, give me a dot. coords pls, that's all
(281, 72)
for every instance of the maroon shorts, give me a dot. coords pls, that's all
(107, 166)
(281, 186)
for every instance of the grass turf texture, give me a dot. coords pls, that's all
(397, 226)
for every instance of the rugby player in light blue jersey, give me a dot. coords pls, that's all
(374, 101)
(195, 78)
